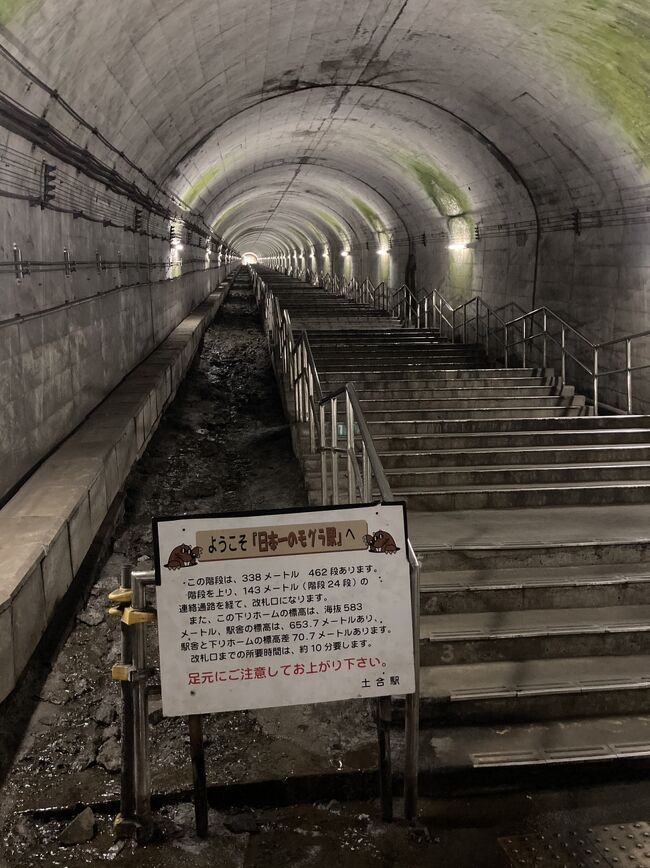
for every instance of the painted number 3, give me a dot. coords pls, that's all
(447, 655)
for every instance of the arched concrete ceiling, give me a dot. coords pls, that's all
(432, 108)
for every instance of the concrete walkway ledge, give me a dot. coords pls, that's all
(48, 526)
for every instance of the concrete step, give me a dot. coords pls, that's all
(434, 375)
(436, 478)
(377, 366)
(397, 332)
(448, 592)
(536, 455)
(526, 495)
(411, 406)
(336, 323)
(502, 425)
(539, 689)
(399, 422)
(536, 634)
(524, 441)
(369, 391)
(510, 475)
(559, 742)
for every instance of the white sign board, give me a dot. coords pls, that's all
(263, 610)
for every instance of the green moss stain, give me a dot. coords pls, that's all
(371, 217)
(12, 9)
(224, 215)
(605, 43)
(445, 194)
(332, 223)
(205, 178)
(452, 203)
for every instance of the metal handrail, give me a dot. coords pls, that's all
(505, 339)
(294, 359)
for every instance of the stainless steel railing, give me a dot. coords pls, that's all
(519, 338)
(295, 366)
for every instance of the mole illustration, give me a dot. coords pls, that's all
(381, 541)
(183, 556)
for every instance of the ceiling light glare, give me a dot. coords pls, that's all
(457, 245)
(382, 252)
(177, 245)
(345, 253)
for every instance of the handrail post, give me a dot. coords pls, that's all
(310, 410)
(335, 454)
(323, 454)
(349, 421)
(596, 380)
(523, 344)
(505, 344)
(563, 347)
(477, 320)
(367, 473)
(628, 367)
(464, 323)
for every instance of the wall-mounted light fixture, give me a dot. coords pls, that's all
(345, 253)
(382, 252)
(457, 245)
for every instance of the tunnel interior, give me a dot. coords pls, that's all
(498, 150)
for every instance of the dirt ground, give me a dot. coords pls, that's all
(224, 445)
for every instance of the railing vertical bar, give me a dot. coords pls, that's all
(323, 453)
(335, 455)
(523, 345)
(349, 422)
(628, 366)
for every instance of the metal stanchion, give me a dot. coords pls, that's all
(134, 820)
(125, 822)
(197, 753)
(384, 718)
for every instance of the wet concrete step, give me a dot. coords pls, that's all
(526, 495)
(413, 406)
(443, 386)
(539, 689)
(377, 366)
(569, 740)
(490, 424)
(338, 323)
(615, 554)
(369, 391)
(317, 336)
(432, 375)
(506, 475)
(517, 588)
(535, 634)
(552, 454)
(390, 338)
(582, 437)
(424, 422)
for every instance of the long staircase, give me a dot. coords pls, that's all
(531, 519)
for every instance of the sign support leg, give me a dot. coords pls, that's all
(384, 717)
(125, 827)
(197, 752)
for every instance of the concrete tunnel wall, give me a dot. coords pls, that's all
(299, 131)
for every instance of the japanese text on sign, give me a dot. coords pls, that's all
(285, 609)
